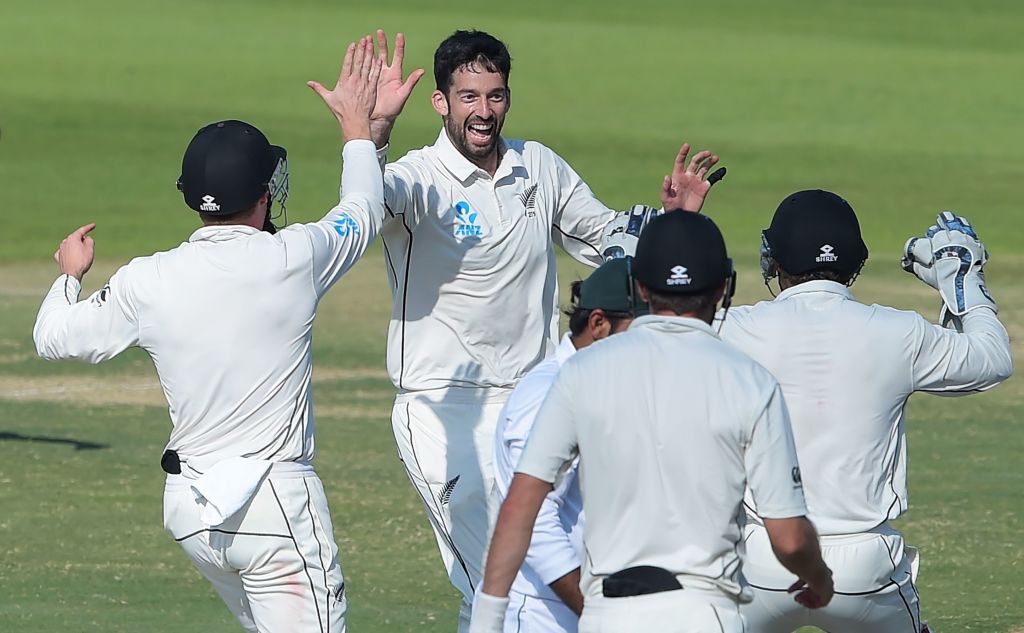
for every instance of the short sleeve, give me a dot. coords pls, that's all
(773, 473)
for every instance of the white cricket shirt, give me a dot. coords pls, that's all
(671, 425)
(847, 370)
(471, 261)
(227, 318)
(556, 547)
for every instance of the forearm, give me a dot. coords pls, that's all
(973, 355)
(507, 550)
(567, 588)
(800, 553)
(988, 357)
(512, 533)
(93, 330)
(50, 330)
(362, 188)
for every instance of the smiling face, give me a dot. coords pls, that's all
(474, 110)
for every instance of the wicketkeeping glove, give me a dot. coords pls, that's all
(951, 259)
(620, 236)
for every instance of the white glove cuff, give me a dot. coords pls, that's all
(488, 613)
(971, 295)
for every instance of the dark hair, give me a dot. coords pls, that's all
(220, 218)
(682, 303)
(821, 274)
(470, 47)
(580, 317)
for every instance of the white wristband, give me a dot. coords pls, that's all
(488, 613)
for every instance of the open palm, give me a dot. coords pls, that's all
(687, 186)
(392, 91)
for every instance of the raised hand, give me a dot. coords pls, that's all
(353, 98)
(687, 186)
(951, 259)
(76, 252)
(392, 91)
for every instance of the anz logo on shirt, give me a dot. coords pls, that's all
(345, 225)
(465, 221)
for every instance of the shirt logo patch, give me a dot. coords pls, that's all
(209, 204)
(679, 277)
(446, 491)
(465, 221)
(100, 297)
(795, 474)
(826, 254)
(529, 200)
(345, 225)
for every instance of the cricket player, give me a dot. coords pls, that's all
(670, 425)
(847, 370)
(227, 318)
(545, 597)
(469, 242)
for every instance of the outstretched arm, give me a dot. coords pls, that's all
(341, 237)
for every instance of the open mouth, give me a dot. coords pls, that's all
(480, 133)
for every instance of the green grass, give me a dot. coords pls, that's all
(904, 108)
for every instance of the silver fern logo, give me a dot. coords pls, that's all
(446, 491)
(529, 199)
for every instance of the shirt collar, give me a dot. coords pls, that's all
(463, 169)
(565, 349)
(817, 285)
(222, 232)
(676, 324)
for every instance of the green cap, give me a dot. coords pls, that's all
(610, 288)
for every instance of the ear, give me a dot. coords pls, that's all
(440, 102)
(641, 289)
(719, 293)
(598, 324)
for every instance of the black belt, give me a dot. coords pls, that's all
(639, 581)
(170, 462)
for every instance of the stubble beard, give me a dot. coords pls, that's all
(474, 153)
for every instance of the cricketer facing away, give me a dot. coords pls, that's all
(227, 318)
(670, 425)
(545, 597)
(847, 370)
(469, 237)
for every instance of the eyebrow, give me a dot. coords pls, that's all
(470, 91)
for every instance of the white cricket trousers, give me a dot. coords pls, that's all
(275, 562)
(874, 576)
(446, 441)
(680, 611)
(529, 614)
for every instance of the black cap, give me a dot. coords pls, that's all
(681, 253)
(816, 230)
(227, 167)
(609, 288)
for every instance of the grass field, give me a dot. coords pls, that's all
(904, 107)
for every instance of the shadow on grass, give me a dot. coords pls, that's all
(7, 436)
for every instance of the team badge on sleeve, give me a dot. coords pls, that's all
(345, 225)
(100, 297)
